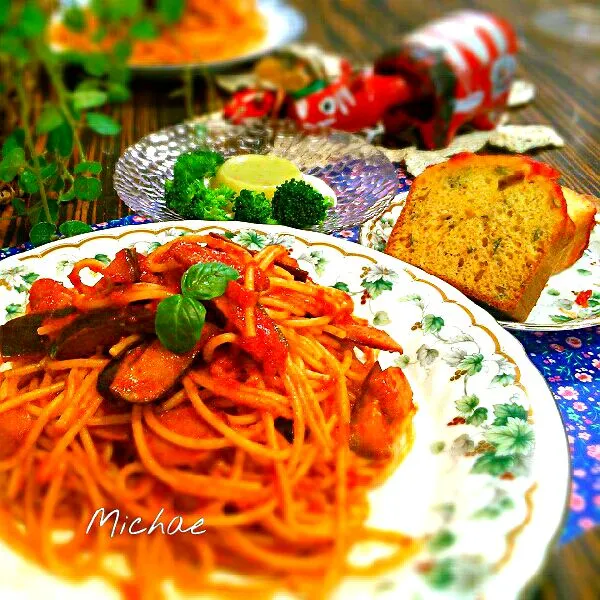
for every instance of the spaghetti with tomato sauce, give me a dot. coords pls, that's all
(271, 422)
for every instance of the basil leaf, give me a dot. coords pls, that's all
(207, 280)
(179, 321)
(70, 228)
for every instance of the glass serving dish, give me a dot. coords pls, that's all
(363, 178)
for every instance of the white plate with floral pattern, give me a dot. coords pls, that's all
(570, 300)
(486, 482)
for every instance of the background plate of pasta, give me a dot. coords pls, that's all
(209, 34)
(289, 414)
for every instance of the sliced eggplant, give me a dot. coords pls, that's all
(365, 335)
(386, 400)
(144, 374)
(124, 268)
(285, 262)
(19, 336)
(101, 328)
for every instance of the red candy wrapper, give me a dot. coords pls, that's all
(454, 71)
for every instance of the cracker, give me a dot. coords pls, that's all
(521, 92)
(521, 138)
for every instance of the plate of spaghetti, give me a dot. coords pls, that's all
(202, 409)
(215, 35)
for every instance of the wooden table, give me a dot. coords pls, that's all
(568, 82)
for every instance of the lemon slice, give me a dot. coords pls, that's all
(256, 172)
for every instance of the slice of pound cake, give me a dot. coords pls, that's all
(494, 227)
(582, 211)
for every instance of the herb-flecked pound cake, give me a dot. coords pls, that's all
(494, 227)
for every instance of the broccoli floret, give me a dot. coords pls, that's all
(197, 164)
(297, 204)
(197, 201)
(252, 207)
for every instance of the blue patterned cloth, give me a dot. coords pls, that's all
(570, 363)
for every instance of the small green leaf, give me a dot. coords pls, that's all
(478, 417)
(83, 99)
(493, 464)
(122, 50)
(42, 233)
(117, 92)
(4, 11)
(144, 30)
(437, 447)
(60, 140)
(33, 20)
(441, 575)
(29, 277)
(49, 171)
(466, 404)
(71, 228)
(50, 119)
(37, 214)
(87, 188)
(68, 195)
(560, 318)
(207, 280)
(516, 437)
(103, 258)
(102, 124)
(88, 167)
(340, 285)
(402, 361)
(472, 363)
(74, 18)
(584, 272)
(12, 45)
(11, 163)
(442, 540)
(96, 64)
(503, 411)
(504, 379)
(553, 292)
(15, 140)
(381, 318)
(170, 10)
(28, 182)
(15, 309)
(432, 324)
(19, 206)
(179, 321)
(375, 288)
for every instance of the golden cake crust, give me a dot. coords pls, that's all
(492, 226)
